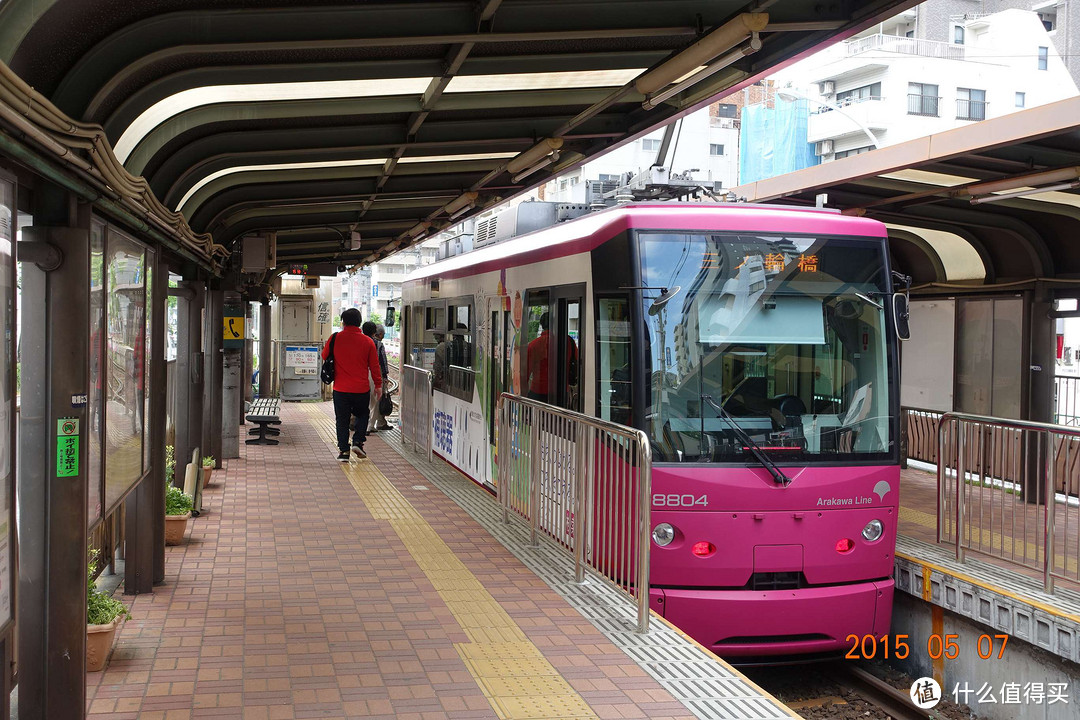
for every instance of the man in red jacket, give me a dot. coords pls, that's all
(355, 355)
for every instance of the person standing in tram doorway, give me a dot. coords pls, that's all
(536, 362)
(355, 357)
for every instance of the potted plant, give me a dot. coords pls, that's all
(177, 511)
(104, 613)
(207, 468)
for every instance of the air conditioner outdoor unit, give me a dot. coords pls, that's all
(258, 253)
(827, 87)
(823, 147)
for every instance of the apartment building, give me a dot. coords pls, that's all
(888, 85)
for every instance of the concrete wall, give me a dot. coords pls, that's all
(1020, 663)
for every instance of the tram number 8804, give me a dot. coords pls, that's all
(679, 501)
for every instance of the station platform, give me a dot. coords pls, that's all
(313, 588)
(988, 590)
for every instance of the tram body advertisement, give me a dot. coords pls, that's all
(754, 348)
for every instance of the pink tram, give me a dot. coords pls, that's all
(756, 347)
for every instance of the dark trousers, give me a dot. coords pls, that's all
(345, 406)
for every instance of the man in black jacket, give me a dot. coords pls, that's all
(376, 420)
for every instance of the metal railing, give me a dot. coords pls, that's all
(1067, 399)
(585, 484)
(971, 109)
(919, 433)
(906, 46)
(1000, 486)
(926, 105)
(417, 408)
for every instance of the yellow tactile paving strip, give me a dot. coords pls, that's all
(513, 674)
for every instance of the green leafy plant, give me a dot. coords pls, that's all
(170, 464)
(101, 608)
(208, 461)
(176, 502)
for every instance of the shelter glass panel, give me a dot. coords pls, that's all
(1008, 356)
(124, 353)
(974, 356)
(7, 389)
(146, 345)
(96, 401)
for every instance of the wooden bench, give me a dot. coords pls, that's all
(265, 413)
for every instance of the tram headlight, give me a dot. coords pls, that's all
(873, 530)
(663, 534)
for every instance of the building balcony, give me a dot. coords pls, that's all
(970, 110)
(924, 105)
(904, 46)
(828, 123)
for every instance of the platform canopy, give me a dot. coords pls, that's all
(993, 204)
(314, 119)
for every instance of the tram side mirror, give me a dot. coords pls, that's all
(900, 316)
(391, 316)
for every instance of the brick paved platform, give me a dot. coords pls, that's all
(315, 589)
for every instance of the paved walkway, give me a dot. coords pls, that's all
(313, 589)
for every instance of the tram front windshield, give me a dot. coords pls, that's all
(784, 335)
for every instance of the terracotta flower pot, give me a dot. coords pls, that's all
(176, 528)
(207, 472)
(99, 641)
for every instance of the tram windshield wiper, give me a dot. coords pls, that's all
(759, 455)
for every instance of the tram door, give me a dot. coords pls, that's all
(498, 358)
(552, 367)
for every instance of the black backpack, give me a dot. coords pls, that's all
(327, 372)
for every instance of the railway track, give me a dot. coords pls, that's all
(892, 701)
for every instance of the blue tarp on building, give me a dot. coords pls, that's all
(772, 140)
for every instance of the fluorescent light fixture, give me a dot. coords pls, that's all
(455, 158)
(460, 203)
(418, 229)
(738, 54)
(1045, 177)
(1023, 192)
(530, 157)
(553, 157)
(719, 41)
(542, 80)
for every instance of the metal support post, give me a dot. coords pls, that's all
(248, 370)
(961, 452)
(232, 404)
(533, 479)
(266, 351)
(213, 375)
(53, 500)
(581, 490)
(1051, 512)
(144, 510)
(159, 411)
(189, 376)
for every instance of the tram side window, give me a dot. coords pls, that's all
(534, 366)
(613, 373)
(457, 349)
